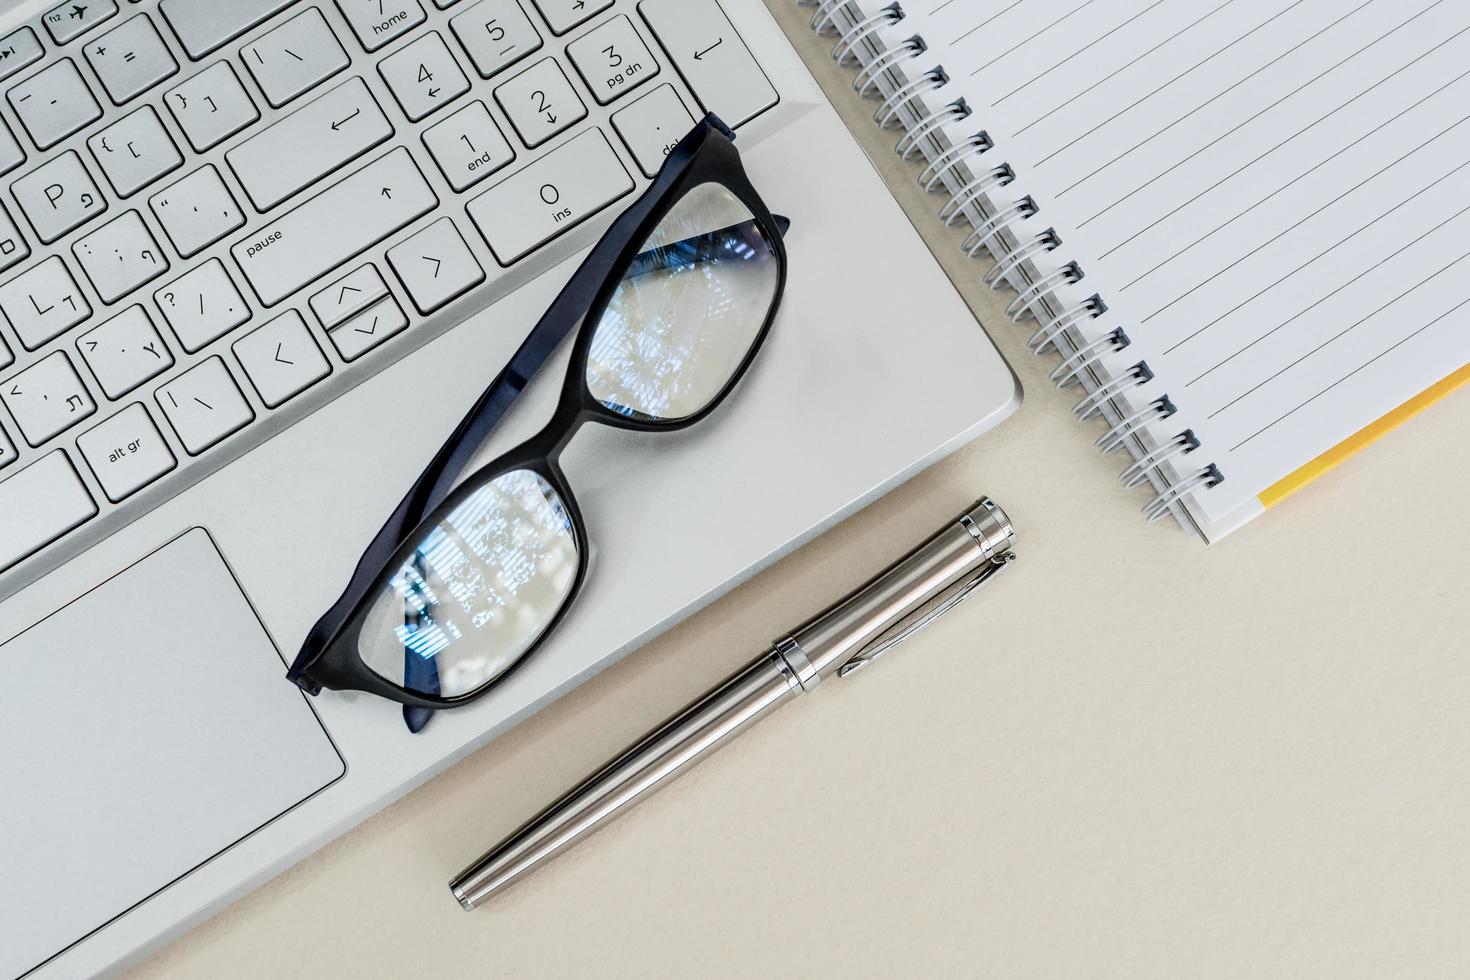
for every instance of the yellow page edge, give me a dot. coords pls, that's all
(1363, 438)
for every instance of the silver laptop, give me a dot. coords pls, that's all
(256, 259)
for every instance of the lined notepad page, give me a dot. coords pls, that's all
(1272, 196)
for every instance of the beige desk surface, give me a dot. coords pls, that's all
(1134, 757)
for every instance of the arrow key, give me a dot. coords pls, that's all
(424, 76)
(282, 359)
(368, 329)
(436, 266)
(358, 289)
(563, 15)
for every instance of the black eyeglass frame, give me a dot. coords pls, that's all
(329, 657)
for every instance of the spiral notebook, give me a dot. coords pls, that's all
(1242, 225)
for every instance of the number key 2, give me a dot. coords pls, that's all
(540, 102)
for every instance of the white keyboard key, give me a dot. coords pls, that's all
(653, 125)
(423, 76)
(8, 454)
(712, 58)
(557, 192)
(124, 352)
(368, 329)
(541, 102)
(496, 33)
(58, 196)
(379, 21)
(43, 302)
(202, 306)
(435, 266)
(130, 59)
(282, 359)
(612, 59)
(339, 223)
(204, 405)
(54, 103)
(6, 358)
(299, 55)
(197, 211)
(203, 26)
(320, 137)
(212, 106)
(120, 256)
(47, 398)
(13, 247)
(360, 288)
(38, 505)
(468, 146)
(75, 17)
(126, 453)
(18, 49)
(563, 15)
(135, 151)
(11, 154)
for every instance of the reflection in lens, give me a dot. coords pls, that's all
(687, 312)
(479, 590)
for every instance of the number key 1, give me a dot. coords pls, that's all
(541, 102)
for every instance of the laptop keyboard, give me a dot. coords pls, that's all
(222, 214)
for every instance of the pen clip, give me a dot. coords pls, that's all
(926, 614)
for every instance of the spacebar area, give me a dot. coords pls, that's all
(342, 221)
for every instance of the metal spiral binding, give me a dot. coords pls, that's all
(848, 40)
(910, 143)
(954, 208)
(1045, 337)
(1066, 374)
(1008, 262)
(932, 80)
(983, 237)
(1036, 299)
(951, 158)
(867, 79)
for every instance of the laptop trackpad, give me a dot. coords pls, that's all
(148, 726)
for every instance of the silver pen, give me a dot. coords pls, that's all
(849, 635)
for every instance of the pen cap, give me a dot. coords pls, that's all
(978, 536)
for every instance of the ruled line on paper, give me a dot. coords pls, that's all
(1082, 50)
(1021, 44)
(1118, 71)
(1362, 367)
(1286, 186)
(1294, 92)
(1193, 68)
(1320, 255)
(1206, 104)
(1341, 333)
(987, 21)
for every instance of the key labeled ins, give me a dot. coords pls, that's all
(557, 192)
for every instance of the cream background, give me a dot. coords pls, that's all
(1133, 756)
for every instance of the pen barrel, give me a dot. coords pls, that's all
(832, 638)
(644, 767)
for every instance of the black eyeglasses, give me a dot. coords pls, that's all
(467, 578)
